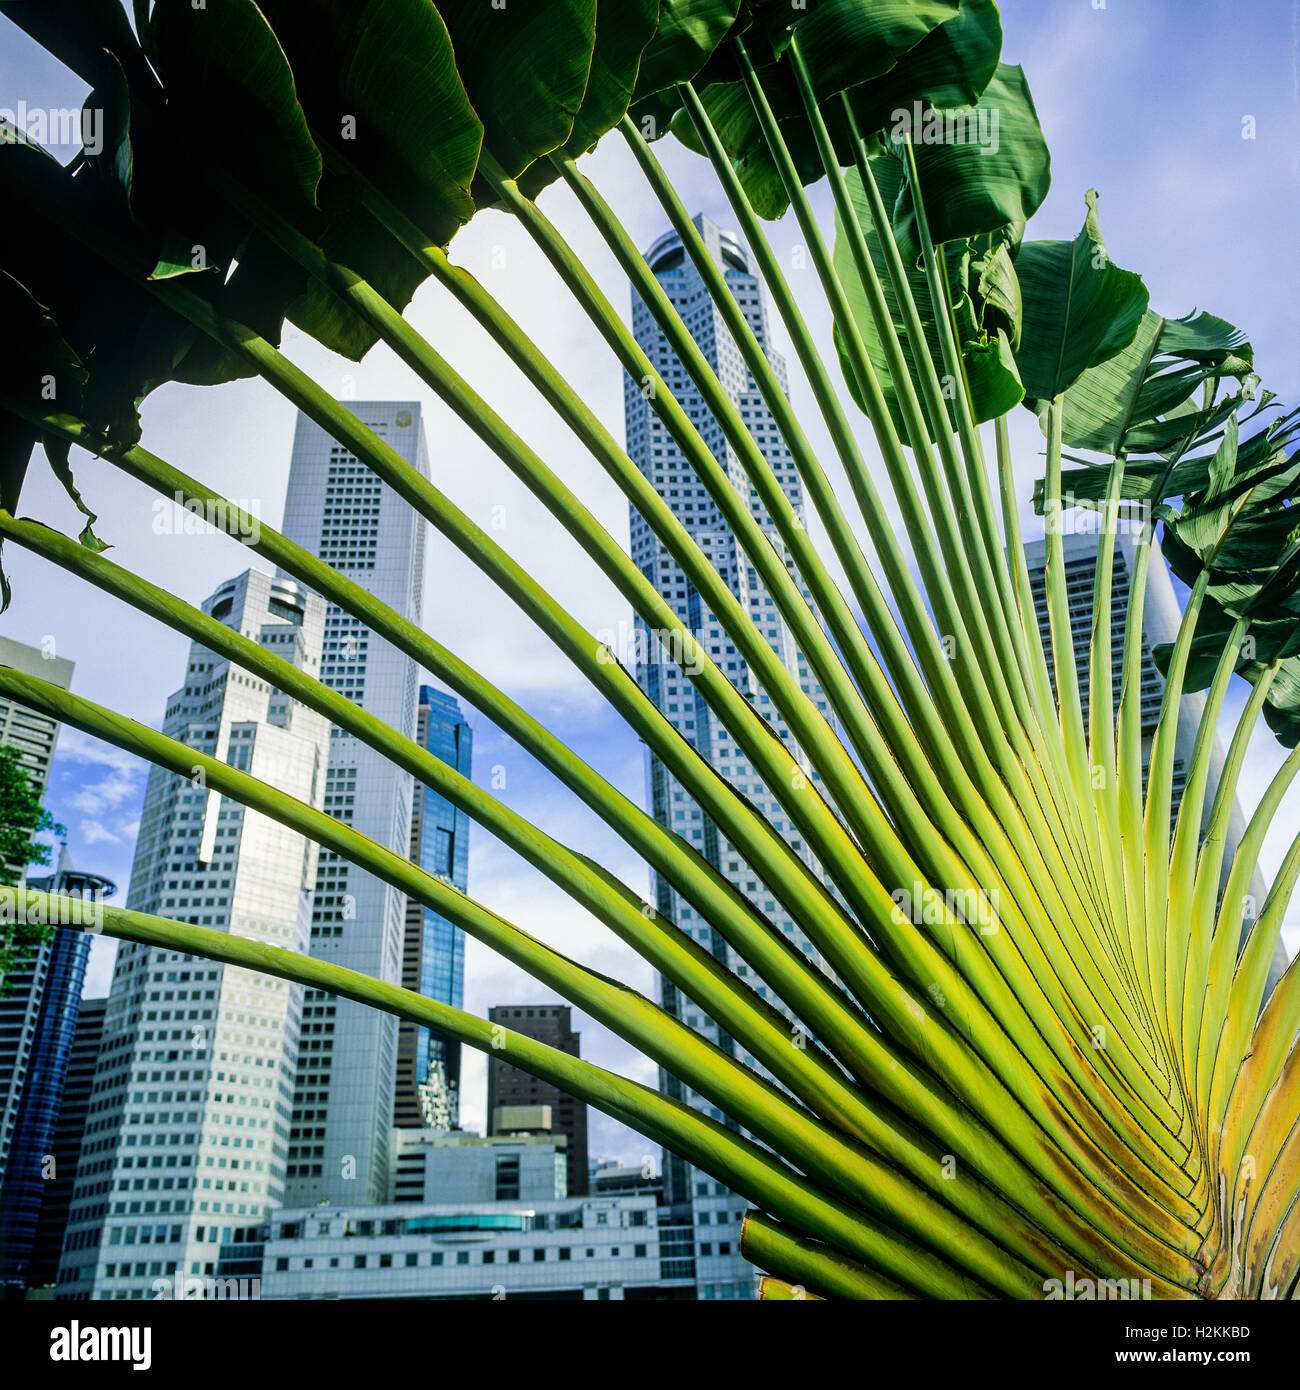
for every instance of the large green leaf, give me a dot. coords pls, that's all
(525, 67)
(1079, 308)
(949, 68)
(688, 33)
(986, 349)
(882, 57)
(1119, 404)
(380, 85)
(1234, 516)
(128, 342)
(623, 28)
(222, 63)
(980, 168)
(847, 42)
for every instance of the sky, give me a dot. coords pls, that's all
(1182, 114)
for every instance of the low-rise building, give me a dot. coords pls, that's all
(580, 1248)
(429, 1166)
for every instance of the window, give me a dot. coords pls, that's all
(412, 1259)
(507, 1187)
(444, 845)
(513, 1257)
(565, 1252)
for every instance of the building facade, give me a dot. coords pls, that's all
(188, 1123)
(34, 735)
(51, 981)
(427, 1089)
(66, 1149)
(715, 1213)
(339, 510)
(528, 1249)
(432, 1168)
(512, 1089)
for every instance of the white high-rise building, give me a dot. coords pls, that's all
(339, 510)
(716, 1213)
(34, 735)
(188, 1121)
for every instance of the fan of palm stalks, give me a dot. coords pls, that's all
(1033, 1051)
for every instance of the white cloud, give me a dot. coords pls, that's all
(93, 832)
(108, 793)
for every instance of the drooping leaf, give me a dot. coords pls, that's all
(41, 372)
(980, 167)
(128, 343)
(222, 62)
(380, 85)
(1233, 516)
(986, 349)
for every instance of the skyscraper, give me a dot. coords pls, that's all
(433, 949)
(338, 509)
(66, 1148)
(1161, 618)
(34, 735)
(193, 1089)
(509, 1086)
(46, 989)
(720, 1271)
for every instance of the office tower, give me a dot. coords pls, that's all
(66, 1149)
(46, 990)
(188, 1122)
(1161, 618)
(433, 949)
(717, 1214)
(338, 509)
(34, 735)
(510, 1088)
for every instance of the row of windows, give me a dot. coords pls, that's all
(416, 1259)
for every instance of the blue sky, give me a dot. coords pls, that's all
(1145, 100)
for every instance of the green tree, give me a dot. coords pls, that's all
(22, 819)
